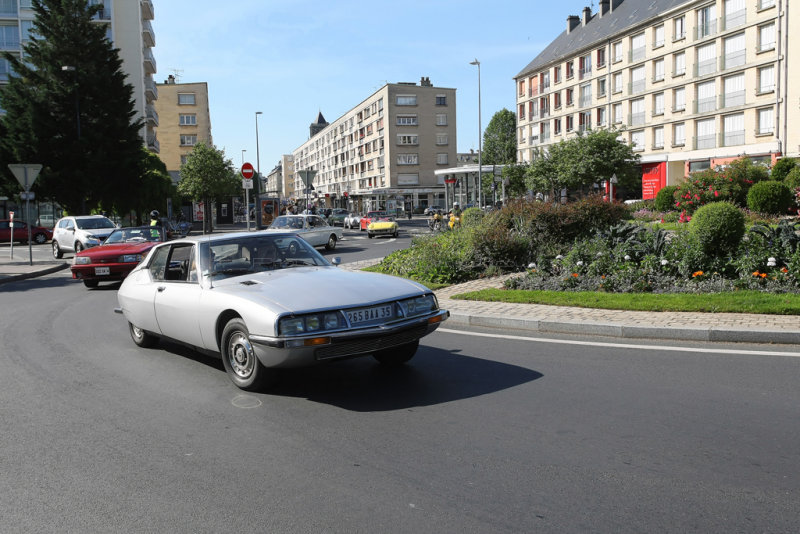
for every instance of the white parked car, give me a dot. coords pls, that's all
(262, 300)
(73, 234)
(352, 220)
(312, 228)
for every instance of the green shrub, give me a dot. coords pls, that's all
(792, 179)
(769, 197)
(446, 258)
(471, 217)
(718, 228)
(782, 168)
(665, 198)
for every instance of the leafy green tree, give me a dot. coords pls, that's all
(78, 122)
(583, 160)
(514, 177)
(154, 188)
(207, 176)
(500, 139)
(782, 168)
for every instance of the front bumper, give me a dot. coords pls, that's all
(117, 271)
(277, 352)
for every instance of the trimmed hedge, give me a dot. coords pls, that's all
(665, 198)
(718, 228)
(770, 197)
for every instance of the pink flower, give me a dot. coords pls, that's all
(716, 194)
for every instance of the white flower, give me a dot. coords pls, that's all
(627, 258)
(559, 257)
(771, 262)
(599, 254)
(579, 263)
(531, 265)
(664, 262)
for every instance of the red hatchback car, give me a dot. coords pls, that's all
(39, 235)
(122, 250)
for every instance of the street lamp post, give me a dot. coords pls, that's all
(480, 131)
(257, 200)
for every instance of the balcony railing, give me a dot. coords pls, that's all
(704, 141)
(636, 87)
(734, 59)
(637, 54)
(705, 30)
(9, 43)
(731, 138)
(734, 20)
(636, 119)
(147, 10)
(705, 105)
(585, 101)
(702, 68)
(729, 100)
(584, 72)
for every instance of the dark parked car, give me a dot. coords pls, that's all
(39, 234)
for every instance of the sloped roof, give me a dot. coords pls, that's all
(321, 119)
(627, 14)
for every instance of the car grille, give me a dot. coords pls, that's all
(370, 344)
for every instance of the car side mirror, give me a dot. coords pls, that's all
(336, 261)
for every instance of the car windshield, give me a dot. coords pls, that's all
(289, 222)
(95, 223)
(255, 253)
(136, 234)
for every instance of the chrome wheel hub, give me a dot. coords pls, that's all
(240, 355)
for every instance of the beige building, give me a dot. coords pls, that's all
(280, 180)
(184, 121)
(384, 152)
(128, 27)
(691, 84)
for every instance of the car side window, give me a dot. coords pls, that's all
(179, 262)
(158, 265)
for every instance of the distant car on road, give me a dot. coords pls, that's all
(312, 228)
(353, 220)
(117, 256)
(39, 234)
(366, 219)
(73, 234)
(430, 210)
(382, 226)
(337, 216)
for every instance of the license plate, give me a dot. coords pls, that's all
(100, 271)
(374, 313)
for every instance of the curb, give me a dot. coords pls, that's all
(712, 334)
(33, 274)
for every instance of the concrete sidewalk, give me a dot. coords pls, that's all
(534, 318)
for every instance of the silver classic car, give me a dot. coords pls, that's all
(312, 228)
(263, 300)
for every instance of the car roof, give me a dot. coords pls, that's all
(213, 238)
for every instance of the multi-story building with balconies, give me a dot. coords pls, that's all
(690, 84)
(280, 180)
(383, 153)
(128, 27)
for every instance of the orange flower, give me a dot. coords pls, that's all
(603, 277)
(697, 273)
(763, 275)
(756, 273)
(575, 275)
(784, 270)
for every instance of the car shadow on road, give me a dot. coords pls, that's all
(433, 377)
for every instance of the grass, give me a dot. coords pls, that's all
(735, 302)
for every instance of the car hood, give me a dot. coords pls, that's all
(299, 289)
(118, 249)
(382, 224)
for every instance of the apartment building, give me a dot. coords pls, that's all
(383, 153)
(128, 27)
(280, 180)
(184, 121)
(690, 84)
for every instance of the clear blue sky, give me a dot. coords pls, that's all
(291, 59)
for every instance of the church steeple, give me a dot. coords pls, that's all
(317, 126)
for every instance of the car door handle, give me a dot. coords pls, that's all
(161, 288)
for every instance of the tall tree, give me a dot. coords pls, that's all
(500, 139)
(207, 176)
(69, 108)
(581, 161)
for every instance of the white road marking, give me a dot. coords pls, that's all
(624, 345)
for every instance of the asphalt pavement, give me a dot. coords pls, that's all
(535, 318)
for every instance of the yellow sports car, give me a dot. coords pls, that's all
(382, 226)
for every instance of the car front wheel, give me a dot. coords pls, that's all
(57, 253)
(40, 239)
(91, 283)
(142, 338)
(331, 244)
(78, 246)
(397, 356)
(239, 358)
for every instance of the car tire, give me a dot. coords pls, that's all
(331, 244)
(40, 238)
(369, 235)
(91, 283)
(78, 246)
(57, 252)
(395, 233)
(239, 358)
(397, 356)
(141, 338)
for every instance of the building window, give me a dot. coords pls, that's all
(658, 137)
(679, 28)
(570, 70)
(733, 129)
(706, 134)
(557, 100)
(637, 140)
(557, 74)
(734, 52)
(441, 139)
(601, 58)
(616, 51)
(617, 113)
(584, 66)
(764, 4)
(408, 139)
(658, 36)
(678, 134)
(766, 121)
(188, 140)
(601, 116)
(585, 95)
(678, 99)
(408, 159)
(407, 120)
(734, 93)
(766, 37)
(637, 117)
(186, 99)
(679, 64)
(696, 166)
(616, 82)
(735, 14)
(658, 70)
(706, 97)
(706, 60)
(570, 96)
(570, 123)
(766, 79)
(637, 80)
(441, 100)
(406, 100)
(601, 87)
(522, 88)
(557, 126)
(441, 158)
(637, 47)
(658, 104)
(706, 22)
(188, 119)
(441, 119)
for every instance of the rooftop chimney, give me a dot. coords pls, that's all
(614, 4)
(587, 14)
(603, 8)
(572, 22)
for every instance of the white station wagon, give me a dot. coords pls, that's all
(263, 300)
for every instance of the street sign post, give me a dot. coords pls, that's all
(247, 184)
(308, 178)
(26, 174)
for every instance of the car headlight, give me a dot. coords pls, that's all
(313, 322)
(81, 260)
(92, 241)
(419, 305)
(131, 258)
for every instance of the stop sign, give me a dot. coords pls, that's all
(248, 171)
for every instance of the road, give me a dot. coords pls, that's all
(480, 433)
